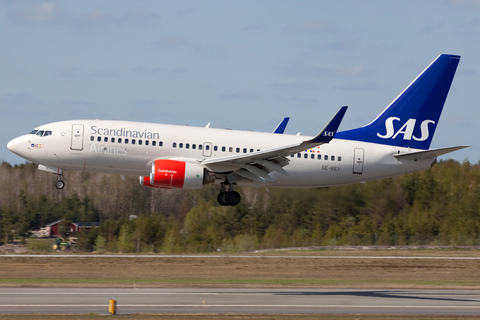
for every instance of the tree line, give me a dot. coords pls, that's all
(436, 206)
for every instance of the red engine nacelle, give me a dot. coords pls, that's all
(170, 174)
(145, 181)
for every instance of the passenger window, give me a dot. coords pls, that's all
(194, 146)
(333, 158)
(126, 141)
(105, 139)
(325, 157)
(40, 133)
(224, 149)
(140, 142)
(319, 157)
(92, 138)
(147, 142)
(339, 158)
(112, 140)
(174, 144)
(119, 140)
(305, 155)
(299, 155)
(312, 156)
(244, 150)
(160, 143)
(207, 147)
(99, 139)
(154, 143)
(237, 150)
(292, 155)
(180, 145)
(251, 150)
(200, 147)
(230, 149)
(47, 133)
(187, 145)
(258, 149)
(133, 141)
(215, 148)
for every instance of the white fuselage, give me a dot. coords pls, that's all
(128, 148)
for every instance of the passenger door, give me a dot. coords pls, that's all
(77, 137)
(358, 161)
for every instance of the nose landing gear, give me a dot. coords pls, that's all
(60, 184)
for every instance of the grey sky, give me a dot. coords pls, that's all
(238, 64)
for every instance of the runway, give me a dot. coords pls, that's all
(339, 301)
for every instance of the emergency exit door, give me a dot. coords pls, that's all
(207, 149)
(358, 161)
(77, 137)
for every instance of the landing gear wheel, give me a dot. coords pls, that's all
(60, 184)
(220, 198)
(233, 198)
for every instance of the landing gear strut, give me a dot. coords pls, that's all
(60, 184)
(228, 198)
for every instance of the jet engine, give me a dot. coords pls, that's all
(145, 181)
(174, 174)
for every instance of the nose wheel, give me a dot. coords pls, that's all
(60, 184)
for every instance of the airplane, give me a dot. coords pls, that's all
(280, 129)
(166, 156)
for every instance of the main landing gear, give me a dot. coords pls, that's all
(228, 197)
(60, 184)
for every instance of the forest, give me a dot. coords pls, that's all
(439, 206)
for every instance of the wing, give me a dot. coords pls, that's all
(257, 165)
(280, 129)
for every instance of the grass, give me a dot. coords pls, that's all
(259, 271)
(246, 283)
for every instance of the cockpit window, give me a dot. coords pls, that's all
(40, 133)
(47, 133)
(33, 132)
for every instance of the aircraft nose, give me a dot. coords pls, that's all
(16, 146)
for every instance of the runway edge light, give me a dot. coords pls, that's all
(112, 306)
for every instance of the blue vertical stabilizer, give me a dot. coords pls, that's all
(411, 119)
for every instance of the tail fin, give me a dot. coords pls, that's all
(411, 119)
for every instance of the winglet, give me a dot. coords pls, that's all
(280, 129)
(330, 129)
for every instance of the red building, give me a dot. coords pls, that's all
(53, 229)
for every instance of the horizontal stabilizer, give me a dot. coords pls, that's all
(428, 153)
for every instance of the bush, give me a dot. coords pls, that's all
(37, 245)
